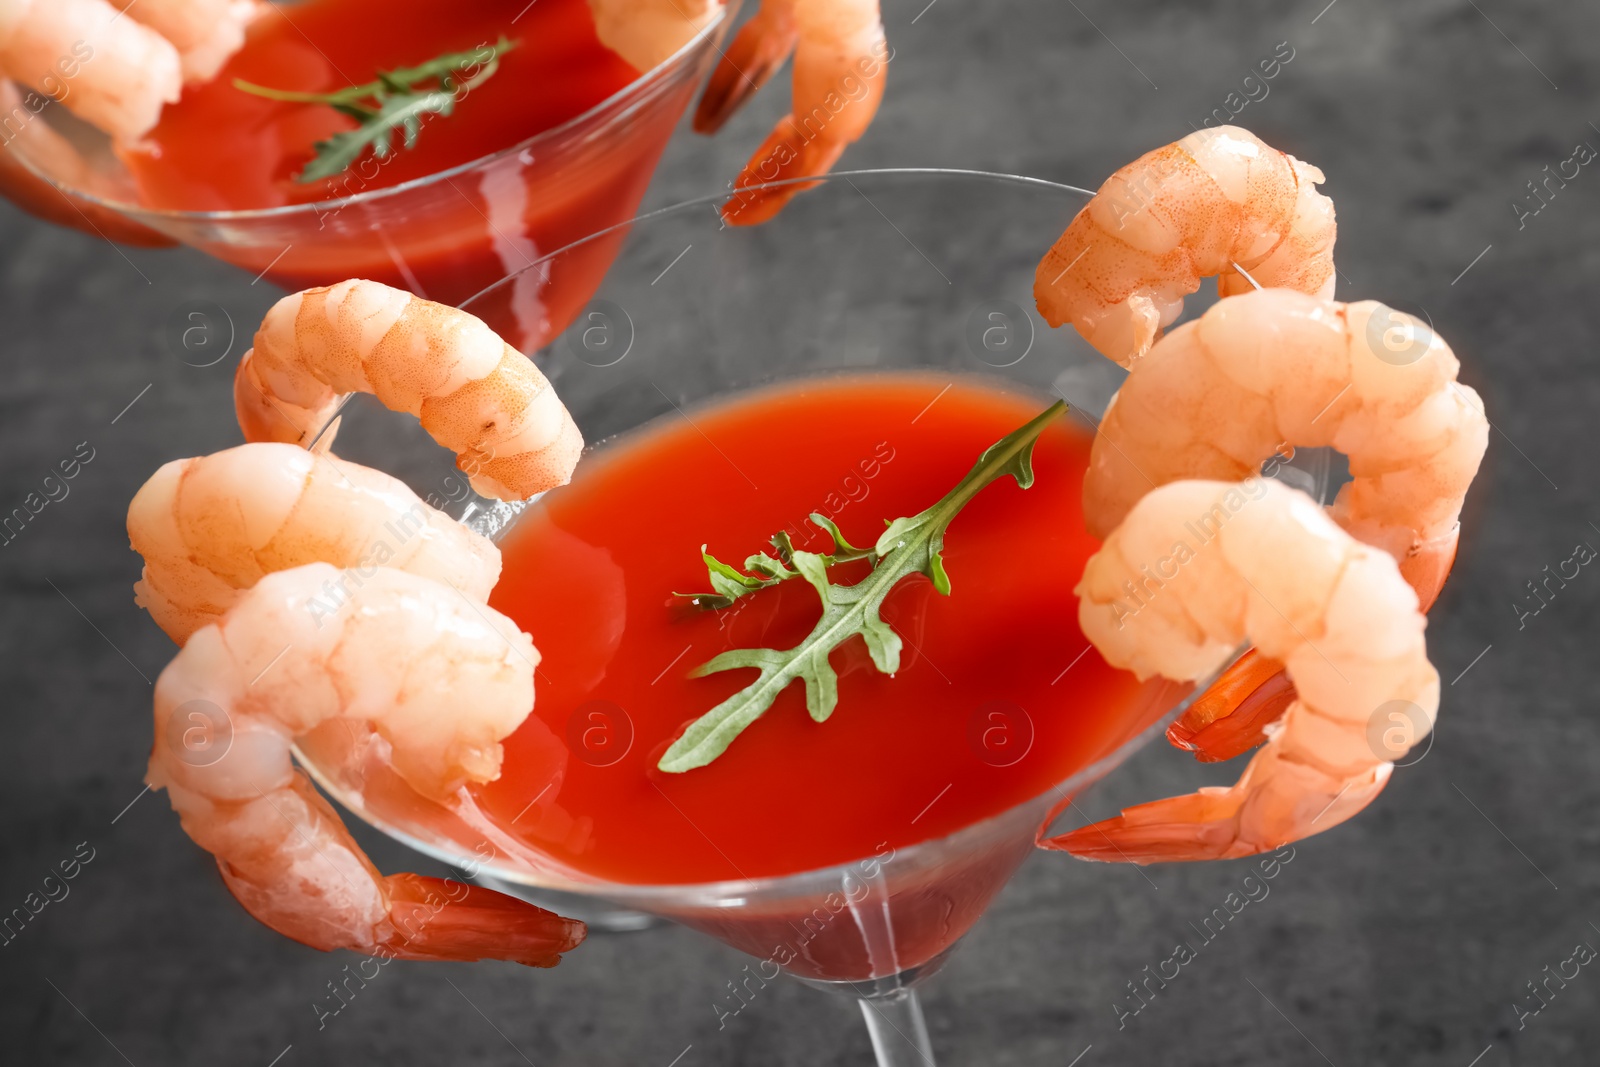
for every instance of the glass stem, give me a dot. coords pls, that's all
(899, 1034)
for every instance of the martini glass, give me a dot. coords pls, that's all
(924, 270)
(444, 236)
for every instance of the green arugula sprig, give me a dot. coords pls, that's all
(908, 546)
(729, 584)
(391, 102)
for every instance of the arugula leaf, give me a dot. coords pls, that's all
(728, 584)
(389, 103)
(908, 546)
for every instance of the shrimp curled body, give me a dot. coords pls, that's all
(1276, 570)
(114, 72)
(1220, 395)
(1218, 200)
(206, 33)
(475, 394)
(440, 680)
(210, 528)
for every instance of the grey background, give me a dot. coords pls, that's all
(1403, 937)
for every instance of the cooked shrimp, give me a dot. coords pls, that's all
(206, 33)
(758, 50)
(1272, 568)
(647, 33)
(210, 528)
(841, 61)
(114, 72)
(1276, 367)
(475, 394)
(440, 680)
(1215, 202)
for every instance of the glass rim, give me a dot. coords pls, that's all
(732, 892)
(1041, 809)
(1003, 177)
(624, 96)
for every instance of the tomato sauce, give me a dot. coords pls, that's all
(996, 700)
(222, 149)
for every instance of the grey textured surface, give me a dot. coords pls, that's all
(1404, 937)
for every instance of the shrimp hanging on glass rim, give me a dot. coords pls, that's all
(1274, 369)
(474, 393)
(841, 60)
(118, 72)
(206, 542)
(263, 563)
(441, 680)
(1220, 202)
(1276, 571)
(114, 65)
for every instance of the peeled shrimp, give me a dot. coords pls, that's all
(760, 47)
(114, 72)
(210, 528)
(647, 33)
(475, 394)
(440, 680)
(206, 33)
(841, 61)
(1198, 567)
(1217, 201)
(1275, 367)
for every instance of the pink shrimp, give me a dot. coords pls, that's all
(206, 33)
(441, 681)
(210, 528)
(108, 70)
(841, 62)
(1218, 202)
(1277, 368)
(1269, 566)
(475, 394)
(758, 50)
(647, 33)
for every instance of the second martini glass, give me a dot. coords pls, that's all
(444, 236)
(910, 270)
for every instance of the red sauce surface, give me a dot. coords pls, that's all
(222, 149)
(590, 570)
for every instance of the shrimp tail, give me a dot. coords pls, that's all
(1226, 823)
(841, 63)
(1230, 718)
(1428, 565)
(451, 920)
(427, 918)
(758, 51)
(786, 154)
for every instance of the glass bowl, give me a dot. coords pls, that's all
(926, 270)
(445, 236)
